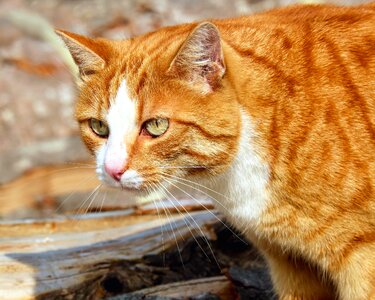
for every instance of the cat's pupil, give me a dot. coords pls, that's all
(99, 128)
(156, 127)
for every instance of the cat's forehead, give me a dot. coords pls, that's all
(115, 85)
(123, 112)
(132, 72)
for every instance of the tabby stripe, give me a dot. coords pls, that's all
(141, 82)
(356, 242)
(289, 81)
(202, 130)
(161, 45)
(357, 99)
(213, 157)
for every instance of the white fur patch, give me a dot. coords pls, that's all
(122, 122)
(244, 184)
(121, 116)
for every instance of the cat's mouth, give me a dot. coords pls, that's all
(132, 182)
(129, 180)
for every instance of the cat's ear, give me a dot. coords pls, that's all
(86, 52)
(200, 60)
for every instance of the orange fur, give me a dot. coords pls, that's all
(306, 77)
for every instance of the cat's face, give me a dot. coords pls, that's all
(151, 115)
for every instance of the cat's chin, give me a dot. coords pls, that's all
(140, 194)
(143, 195)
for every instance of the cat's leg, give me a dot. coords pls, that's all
(293, 279)
(355, 275)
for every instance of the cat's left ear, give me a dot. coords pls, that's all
(200, 60)
(88, 54)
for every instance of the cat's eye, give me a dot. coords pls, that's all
(99, 128)
(156, 127)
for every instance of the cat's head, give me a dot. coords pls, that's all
(157, 107)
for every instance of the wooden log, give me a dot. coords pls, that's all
(50, 181)
(145, 248)
(54, 258)
(219, 286)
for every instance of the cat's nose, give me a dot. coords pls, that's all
(114, 171)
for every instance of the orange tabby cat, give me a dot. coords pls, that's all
(273, 113)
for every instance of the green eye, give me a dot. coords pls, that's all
(156, 127)
(99, 128)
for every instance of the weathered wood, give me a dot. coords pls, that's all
(55, 258)
(219, 286)
(96, 256)
(50, 181)
(143, 248)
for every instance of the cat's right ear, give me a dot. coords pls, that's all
(86, 52)
(200, 60)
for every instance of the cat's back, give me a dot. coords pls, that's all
(275, 33)
(308, 72)
(320, 53)
(300, 15)
(299, 24)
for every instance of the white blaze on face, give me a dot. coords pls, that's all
(112, 158)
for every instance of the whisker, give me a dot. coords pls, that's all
(207, 210)
(46, 174)
(198, 184)
(182, 167)
(197, 226)
(92, 199)
(170, 225)
(103, 200)
(83, 203)
(93, 164)
(72, 168)
(162, 226)
(72, 193)
(179, 180)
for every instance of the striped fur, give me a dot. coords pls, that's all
(294, 85)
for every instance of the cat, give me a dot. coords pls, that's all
(273, 115)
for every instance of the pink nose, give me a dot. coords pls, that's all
(114, 171)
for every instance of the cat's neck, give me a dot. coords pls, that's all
(243, 185)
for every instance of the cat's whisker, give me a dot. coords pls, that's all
(180, 181)
(166, 197)
(173, 232)
(69, 169)
(48, 174)
(183, 167)
(187, 222)
(198, 184)
(103, 200)
(205, 207)
(83, 181)
(162, 225)
(197, 226)
(93, 199)
(91, 194)
(93, 164)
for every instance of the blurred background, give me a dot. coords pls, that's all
(44, 168)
